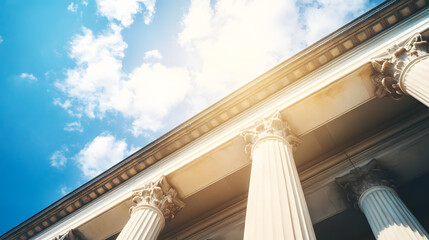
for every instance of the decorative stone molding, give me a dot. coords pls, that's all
(389, 70)
(272, 126)
(158, 194)
(363, 178)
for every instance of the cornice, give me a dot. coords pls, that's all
(315, 56)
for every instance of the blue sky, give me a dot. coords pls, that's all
(85, 83)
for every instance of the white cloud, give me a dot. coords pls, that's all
(64, 190)
(154, 89)
(28, 76)
(232, 42)
(325, 16)
(100, 154)
(66, 104)
(72, 7)
(125, 10)
(58, 158)
(98, 69)
(49, 74)
(85, 2)
(97, 85)
(152, 54)
(228, 43)
(73, 126)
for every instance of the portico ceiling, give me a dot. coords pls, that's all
(406, 159)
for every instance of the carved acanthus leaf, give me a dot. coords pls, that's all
(161, 195)
(273, 125)
(361, 179)
(388, 69)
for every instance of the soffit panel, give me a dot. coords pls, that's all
(332, 101)
(212, 167)
(350, 128)
(212, 197)
(108, 223)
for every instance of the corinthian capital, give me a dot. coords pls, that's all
(270, 126)
(363, 178)
(388, 69)
(158, 194)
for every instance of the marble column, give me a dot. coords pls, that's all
(156, 203)
(372, 190)
(276, 207)
(404, 70)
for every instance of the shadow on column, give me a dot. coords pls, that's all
(352, 224)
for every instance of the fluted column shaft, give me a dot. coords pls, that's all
(276, 207)
(371, 189)
(156, 203)
(145, 223)
(388, 216)
(415, 79)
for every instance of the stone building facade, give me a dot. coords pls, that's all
(330, 144)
